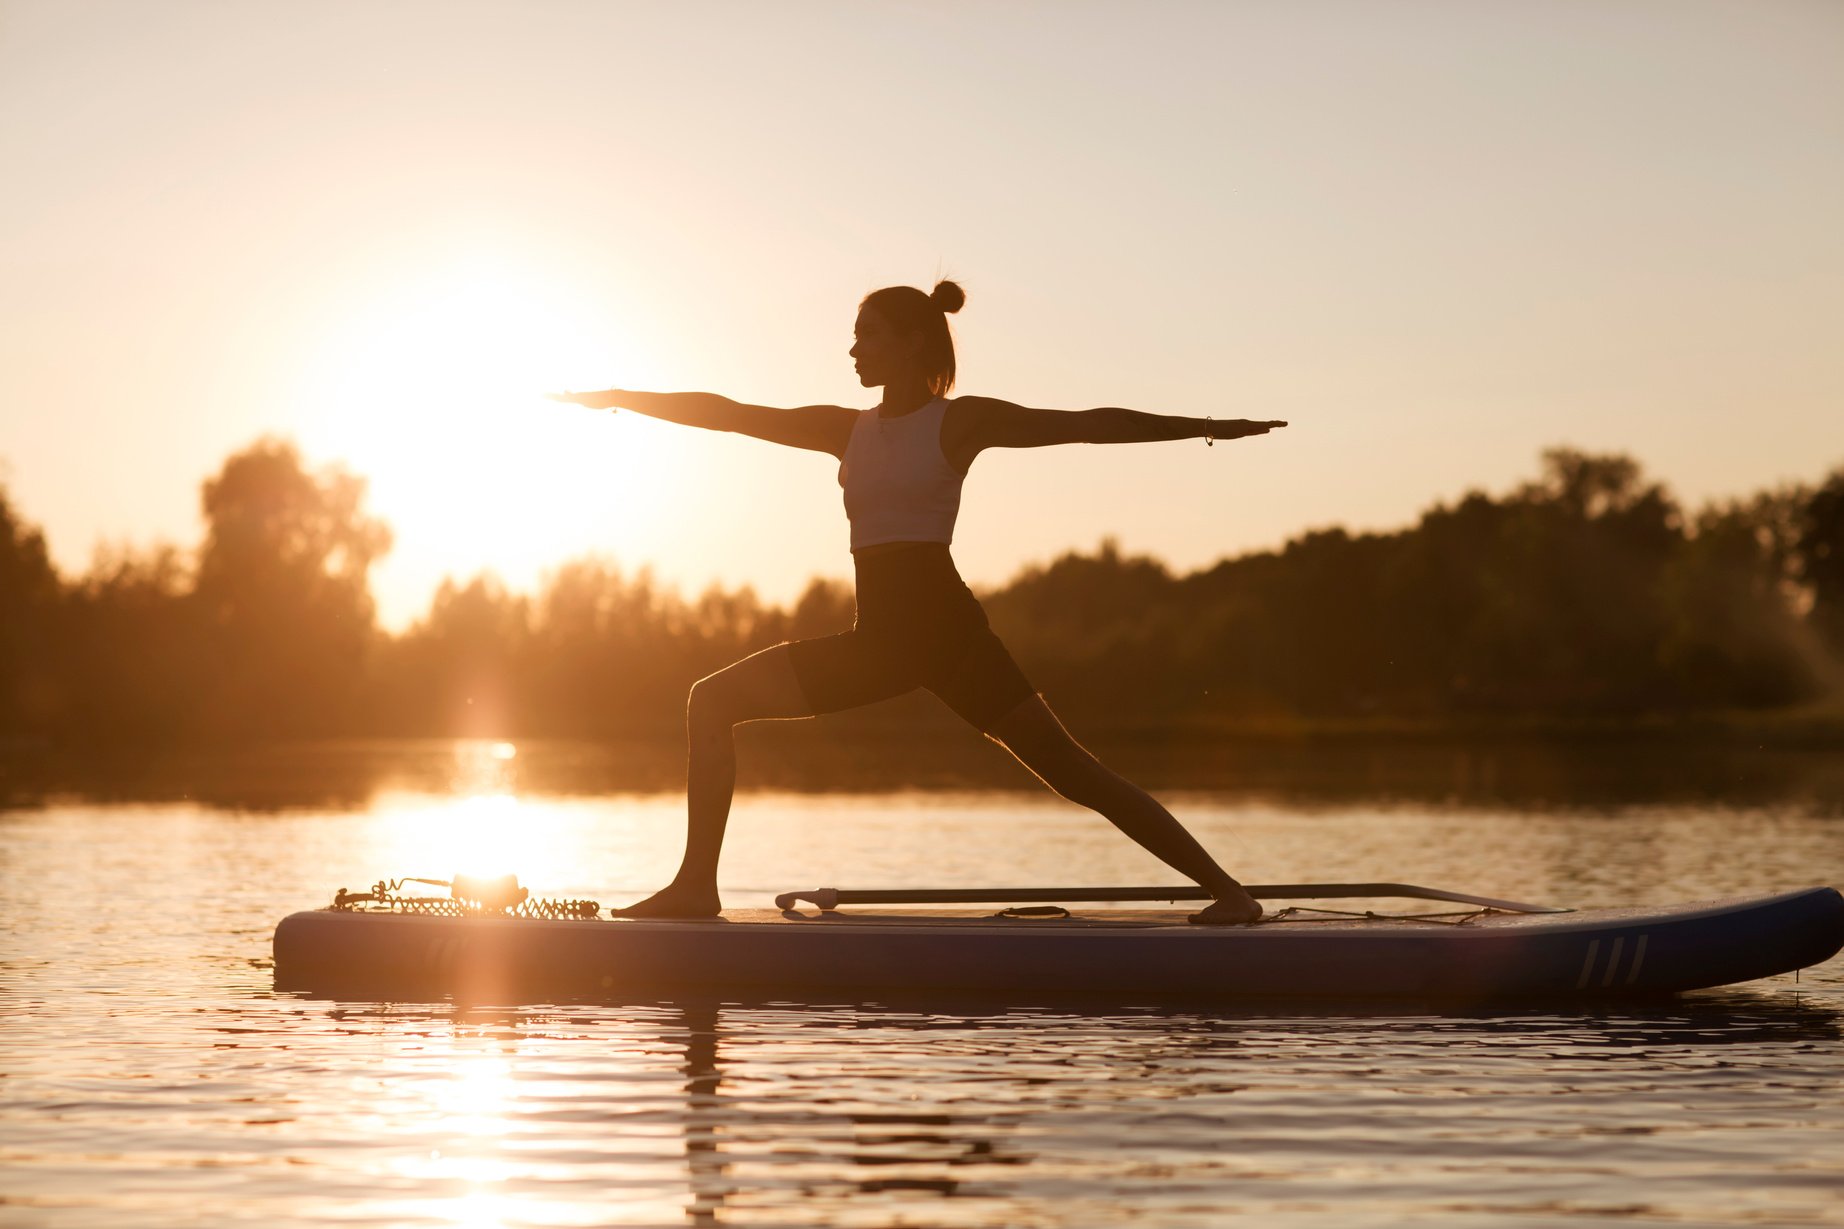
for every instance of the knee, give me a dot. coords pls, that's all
(707, 709)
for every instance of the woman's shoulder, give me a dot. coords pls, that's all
(973, 411)
(968, 406)
(961, 422)
(972, 406)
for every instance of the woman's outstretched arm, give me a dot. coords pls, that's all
(1000, 424)
(822, 428)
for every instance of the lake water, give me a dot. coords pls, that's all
(153, 1076)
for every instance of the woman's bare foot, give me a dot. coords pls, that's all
(1237, 908)
(673, 901)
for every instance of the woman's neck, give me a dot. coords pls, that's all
(901, 399)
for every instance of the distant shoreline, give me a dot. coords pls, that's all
(1752, 763)
(1808, 727)
(1804, 727)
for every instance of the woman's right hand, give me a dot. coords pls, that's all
(607, 399)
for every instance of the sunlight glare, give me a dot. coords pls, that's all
(485, 836)
(433, 390)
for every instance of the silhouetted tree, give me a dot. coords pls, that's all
(1735, 636)
(458, 670)
(134, 647)
(595, 644)
(31, 692)
(1820, 555)
(1083, 627)
(283, 588)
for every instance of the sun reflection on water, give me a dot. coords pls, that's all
(475, 1098)
(481, 828)
(481, 819)
(483, 766)
(506, 1131)
(481, 1208)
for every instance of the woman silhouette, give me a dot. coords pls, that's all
(918, 625)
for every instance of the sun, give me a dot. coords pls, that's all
(431, 386)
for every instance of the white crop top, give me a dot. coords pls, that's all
(898, 485)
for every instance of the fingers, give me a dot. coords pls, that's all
(592, 401)
(1242, 428)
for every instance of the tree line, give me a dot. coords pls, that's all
(1585, 592)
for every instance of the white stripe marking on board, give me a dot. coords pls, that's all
(1587, 966)
(1613, 960)
(1639, 956)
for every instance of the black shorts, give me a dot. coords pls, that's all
(918, 625)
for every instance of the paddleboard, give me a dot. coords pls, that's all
(1112, 955)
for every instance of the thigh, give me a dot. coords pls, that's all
(983, 684)
(760, 687)
(848, 670)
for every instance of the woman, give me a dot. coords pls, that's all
(918, 625)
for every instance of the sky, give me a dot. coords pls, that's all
(1436, 236)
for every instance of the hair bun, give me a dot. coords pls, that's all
(948, 296)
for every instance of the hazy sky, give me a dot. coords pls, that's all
(1436, 236)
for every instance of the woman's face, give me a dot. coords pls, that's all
(881, 354)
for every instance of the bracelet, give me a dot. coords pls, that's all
(1210, 436)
